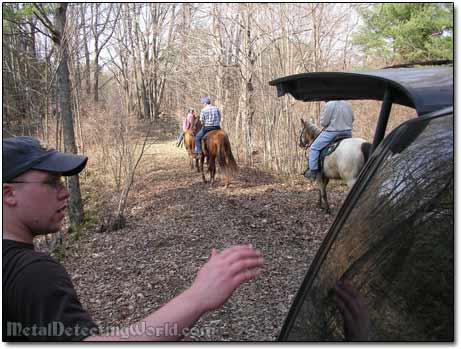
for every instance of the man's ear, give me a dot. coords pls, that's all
(9, 195)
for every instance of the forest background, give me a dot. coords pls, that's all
(98, 78)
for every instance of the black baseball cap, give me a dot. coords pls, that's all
(23, 153)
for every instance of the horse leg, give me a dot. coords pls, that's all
(201, 168)
(212, 168)
(320, 196)
(191, 156)
(323, 193)
(321, 188)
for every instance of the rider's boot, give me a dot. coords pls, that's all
(311, 174)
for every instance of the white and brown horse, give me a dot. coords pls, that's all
(344, 163)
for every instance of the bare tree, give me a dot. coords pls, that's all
(61, 39)
(161, 57)
(87, 71)
(98, 29)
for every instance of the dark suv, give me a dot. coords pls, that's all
(393, 237)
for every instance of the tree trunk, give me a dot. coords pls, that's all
(96, 76)
(96, 54)
(247, 96)
(64, 96)
(87, 51)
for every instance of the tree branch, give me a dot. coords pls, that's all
(43, 18)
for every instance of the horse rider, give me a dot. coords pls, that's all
(210, 117)
(336, 119)
(186, 125)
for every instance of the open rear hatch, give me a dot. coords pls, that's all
(393, 237)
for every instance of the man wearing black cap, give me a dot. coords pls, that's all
(39, 300)
(36, 289)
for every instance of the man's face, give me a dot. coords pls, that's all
(41, 202)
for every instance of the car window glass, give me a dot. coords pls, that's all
(395, 247)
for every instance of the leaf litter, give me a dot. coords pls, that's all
(173, 222)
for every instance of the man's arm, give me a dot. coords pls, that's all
(216, 281)
(188, 122)
(325, 116)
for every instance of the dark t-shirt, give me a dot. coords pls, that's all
(39, 299)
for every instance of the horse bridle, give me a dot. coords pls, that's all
(301, 138)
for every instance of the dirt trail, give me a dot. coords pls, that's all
(174, 220)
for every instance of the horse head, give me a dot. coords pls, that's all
(196, 125)
(308, 134)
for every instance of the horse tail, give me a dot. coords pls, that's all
(366, 151)
(226, 158)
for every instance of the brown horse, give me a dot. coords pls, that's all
(216, 146)
(189, 143)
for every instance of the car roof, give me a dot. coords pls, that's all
(424, 89)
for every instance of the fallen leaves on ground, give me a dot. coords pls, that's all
(173, 222)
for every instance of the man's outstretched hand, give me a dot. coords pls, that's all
(223, 273)
(354, 310)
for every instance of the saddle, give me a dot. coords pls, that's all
(330, 148)
(207, 131)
